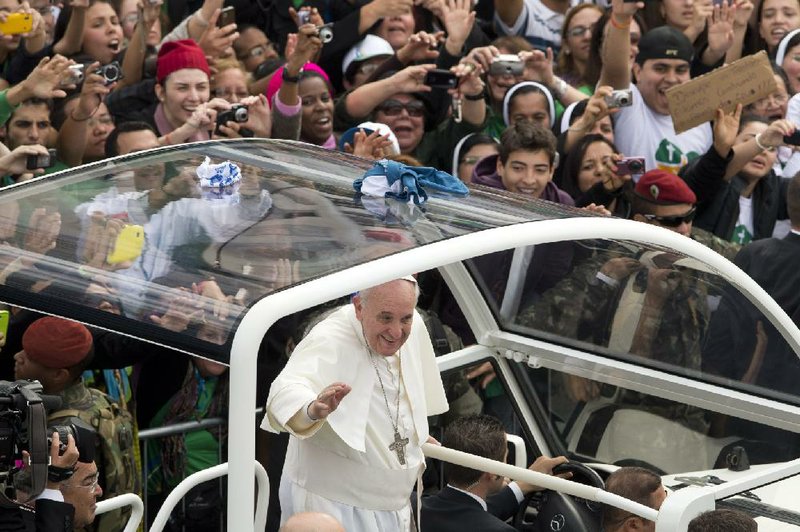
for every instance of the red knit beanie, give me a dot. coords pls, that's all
(56, 342)
(177, 55)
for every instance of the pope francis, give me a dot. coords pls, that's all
(355, 395)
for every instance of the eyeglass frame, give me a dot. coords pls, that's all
(672, 221)
(578, 31)
(397, 104)
(257, 50)
(91, 487)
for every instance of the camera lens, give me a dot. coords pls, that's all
(636, 166)
(325, 35)
(240, 114)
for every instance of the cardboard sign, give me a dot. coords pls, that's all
(744, 81)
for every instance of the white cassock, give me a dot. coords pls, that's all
(343, 465)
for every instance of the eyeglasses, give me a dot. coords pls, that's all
(414, 109)
(257, 51)
(579, 31)
(778, 98)
(227, 94)
(672, 221)
(470, 160)
(131, 19)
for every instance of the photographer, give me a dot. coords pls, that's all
(49, 511)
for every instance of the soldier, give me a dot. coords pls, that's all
(648, 303)
(55, 352)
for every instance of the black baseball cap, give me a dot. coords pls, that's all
(664, 42)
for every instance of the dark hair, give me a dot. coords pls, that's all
(527, 136)
(723, 520)
(31, 102)
(66, 13)
(112, 148)
(635, 483)
(477, 139)
(309, 74)
(793, 200)
(477, 434)
(757, 42)
(749, 118)
(794, 41)
(595, 63)
(780, 72)
(574, 161)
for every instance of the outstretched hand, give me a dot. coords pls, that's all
(328, 400)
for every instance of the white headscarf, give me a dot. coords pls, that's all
(510, 93)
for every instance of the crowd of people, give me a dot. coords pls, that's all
(547, 99)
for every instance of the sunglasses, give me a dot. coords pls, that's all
(394, 108)
(672, 221)
(257, 51)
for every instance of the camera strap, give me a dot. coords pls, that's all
(37, 421)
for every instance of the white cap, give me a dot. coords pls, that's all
(367, 48)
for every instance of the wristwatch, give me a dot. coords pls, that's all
(285, 76)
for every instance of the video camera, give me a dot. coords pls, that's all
(23, 427)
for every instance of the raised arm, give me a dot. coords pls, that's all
(133, 63)
(616, 51)
(70, 43)
(362, 101)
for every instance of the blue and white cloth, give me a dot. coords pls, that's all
(218, 175)
(390, 179)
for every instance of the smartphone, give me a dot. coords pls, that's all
(128, 246)
(4, 317)
(793, 139)
(440, 79)
(226, 16)
(16, 23)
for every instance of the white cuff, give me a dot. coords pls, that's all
(517, 491)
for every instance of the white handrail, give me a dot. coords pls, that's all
(520, 454)
(538, 479)
(260, 521)
(126, 499)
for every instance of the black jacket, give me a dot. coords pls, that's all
(718, 200)
(453, 511)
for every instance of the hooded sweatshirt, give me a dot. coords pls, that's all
(485, 173)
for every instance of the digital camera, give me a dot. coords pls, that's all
(325, 33)
(111, 72)
(631, 166)
(74, 74)
(34, 162)
(620, 98)
(506, 64)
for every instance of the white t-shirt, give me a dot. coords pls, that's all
(743, 231)
(540, 25)
(641, 132)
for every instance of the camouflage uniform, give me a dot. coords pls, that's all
(118, 473)
(582, 307)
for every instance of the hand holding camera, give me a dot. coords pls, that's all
(27, 158)
(230, 119)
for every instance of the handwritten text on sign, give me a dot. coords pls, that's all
(743, 81)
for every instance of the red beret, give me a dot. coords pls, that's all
(177, 55)
(664, 188)
(56, 342)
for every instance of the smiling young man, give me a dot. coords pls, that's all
(645, 129)
(525, 164)
(355, 395)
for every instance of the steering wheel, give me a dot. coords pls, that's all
(558, 512)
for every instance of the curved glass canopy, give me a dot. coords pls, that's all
(136, 245)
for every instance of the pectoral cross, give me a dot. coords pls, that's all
(399, 446)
